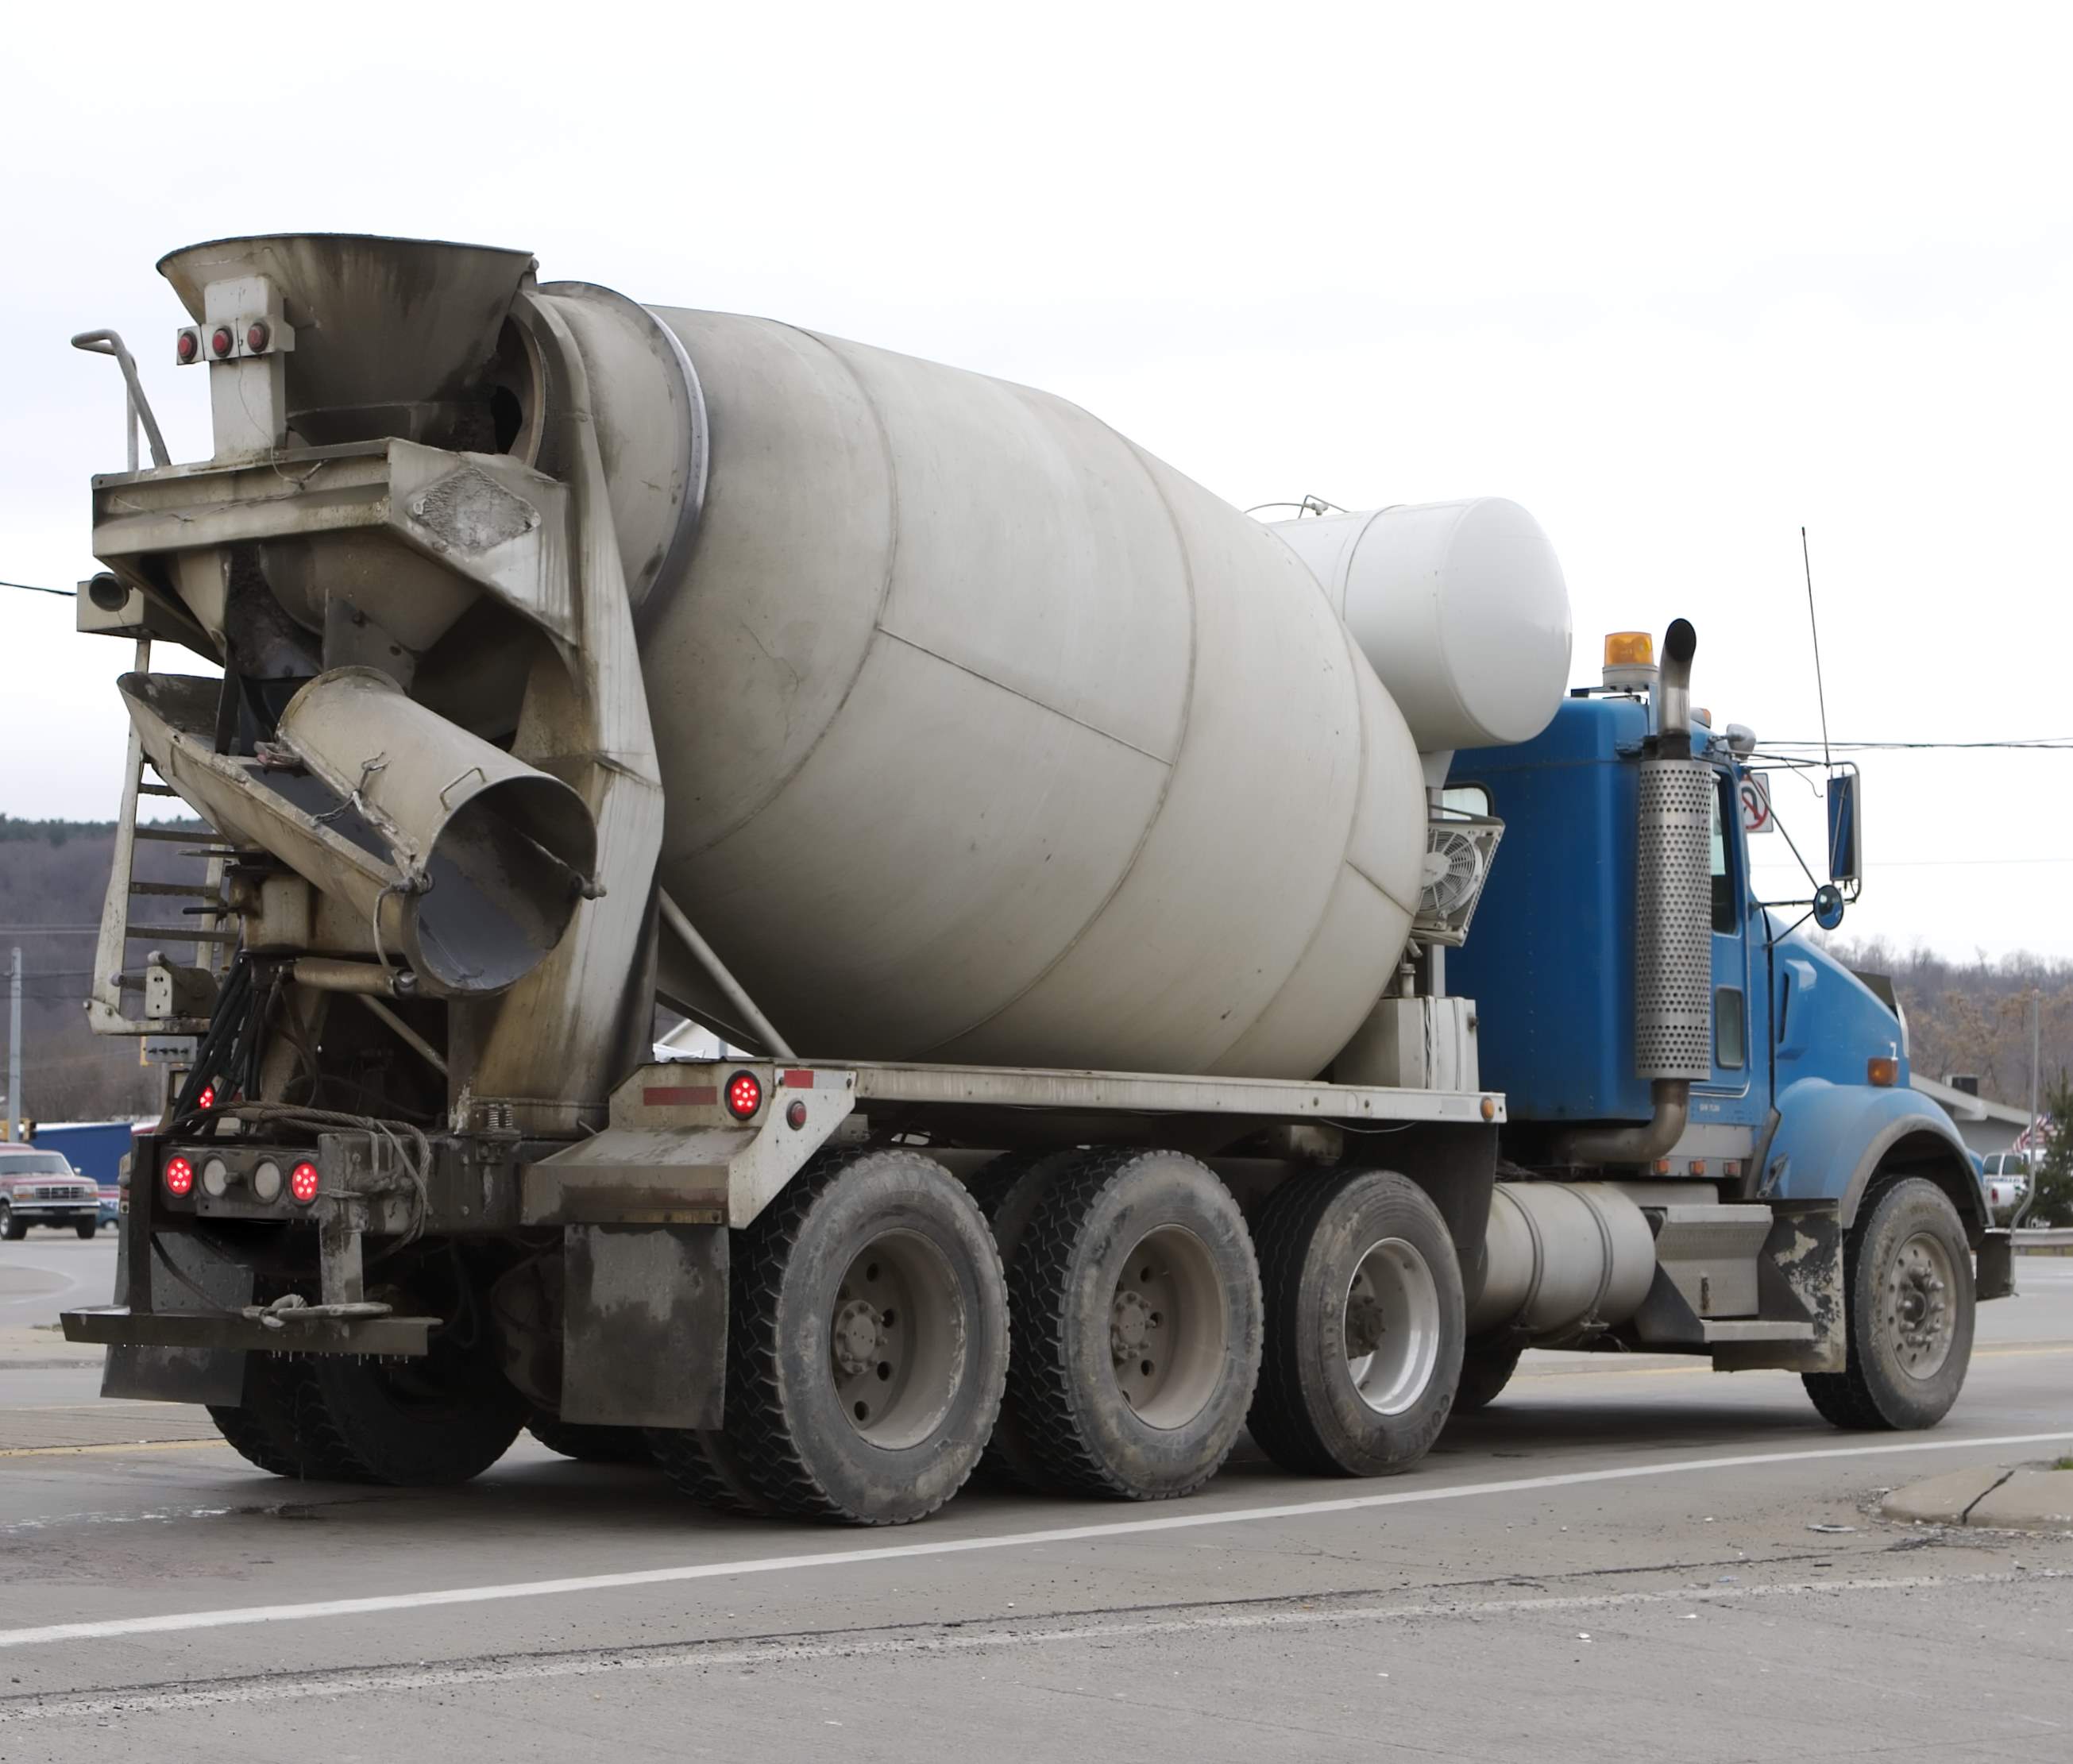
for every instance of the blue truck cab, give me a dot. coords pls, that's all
(1801, 1105)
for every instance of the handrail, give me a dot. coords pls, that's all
(110, 343)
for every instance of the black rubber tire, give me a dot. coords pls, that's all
(254, 1428)
(1062, 1297)
(1874, 1390)
(423, 1422)
(1307, 1415)
(587, 1443)
(704, 1464)
(1485, 1371)
(12, 1229)
(86, 1230)
(1008, 1191)
(796, 1445)
(282, 1426)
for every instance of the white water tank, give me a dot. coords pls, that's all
(1460, 608)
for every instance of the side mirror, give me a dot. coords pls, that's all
(1845, 828)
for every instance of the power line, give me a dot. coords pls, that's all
(2043, 743)
(35, 587)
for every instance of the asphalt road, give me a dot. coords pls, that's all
(1620, 1559)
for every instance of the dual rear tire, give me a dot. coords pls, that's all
(867, 1349)
(1365, 1325)
(1148, 1331)
(873, 1308)
(427, 1422)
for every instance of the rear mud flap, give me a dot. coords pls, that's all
(181, 1375)
(644, 1325)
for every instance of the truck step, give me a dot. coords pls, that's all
(1719, 1329)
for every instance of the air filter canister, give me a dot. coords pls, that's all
(1673, 977)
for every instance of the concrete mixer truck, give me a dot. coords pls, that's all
(1177, 975)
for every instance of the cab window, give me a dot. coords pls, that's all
(1727, 916)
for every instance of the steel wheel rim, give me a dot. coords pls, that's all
(1391, 1326)
(896, 1335)
(1167, 1328)
(1921, 1323)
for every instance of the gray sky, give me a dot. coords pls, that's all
(1677, 279)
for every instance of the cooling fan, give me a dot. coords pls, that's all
(1458, 850)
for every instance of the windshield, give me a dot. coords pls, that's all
(34, 1163)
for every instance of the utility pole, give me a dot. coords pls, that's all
(14, 1041)
(2036, 993)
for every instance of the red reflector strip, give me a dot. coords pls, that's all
(798, 1078)
(680, 1096)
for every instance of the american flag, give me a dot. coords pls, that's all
(2037, 1136)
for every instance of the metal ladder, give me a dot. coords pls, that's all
(113, 974)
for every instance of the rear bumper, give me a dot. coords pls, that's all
(115, 1325)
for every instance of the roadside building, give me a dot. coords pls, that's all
(1984, 1126)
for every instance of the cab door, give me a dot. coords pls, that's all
(1739, 1009)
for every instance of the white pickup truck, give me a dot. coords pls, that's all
(2005, 1178)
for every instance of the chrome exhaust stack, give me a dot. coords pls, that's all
(1673, 969)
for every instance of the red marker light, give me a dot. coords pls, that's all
(302, 1183)
(180, 1176)
(795, 1116)
(188, 347)
(222, 341)
(256, 339)
(744, 1096)
(206, 1099)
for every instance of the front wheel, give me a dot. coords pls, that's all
(1909, 1296)
(87, 1227)
(12, 1229)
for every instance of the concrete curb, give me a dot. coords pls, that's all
(2022, 1499)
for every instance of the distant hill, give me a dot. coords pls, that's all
(55, 873)
(1974, 1016)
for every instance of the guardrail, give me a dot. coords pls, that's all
(2056, 1242)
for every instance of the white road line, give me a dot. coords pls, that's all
(175, 1622)
(281, 1687)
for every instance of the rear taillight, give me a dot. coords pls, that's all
(744, 1096)
(302, 1182)
(180, 1176)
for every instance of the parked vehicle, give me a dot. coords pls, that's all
(1090, 869)
(2006, 1176)
(40, 1188)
